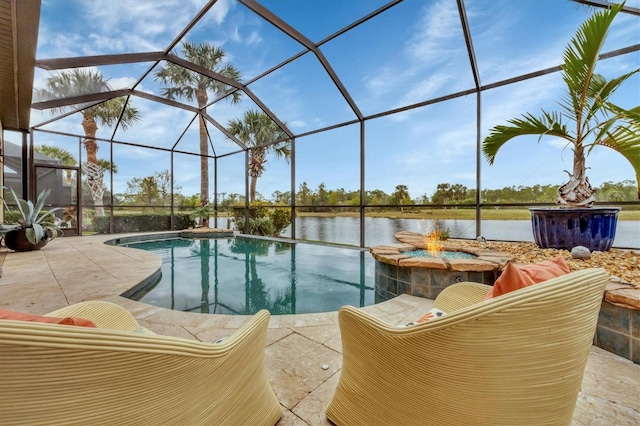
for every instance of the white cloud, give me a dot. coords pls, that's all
(426, 88)
(117, 26)
(57, 45)
(220, 10)
(297, 124)
(558, 143)
(433, 61)
(253, 38)
(502, 104)
(437, 29)
(106, 44)
(381, 82)
(122, 82)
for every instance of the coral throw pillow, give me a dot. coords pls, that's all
(20, 316)
(516, 277)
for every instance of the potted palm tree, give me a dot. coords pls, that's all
(30, 227)
(587, 119)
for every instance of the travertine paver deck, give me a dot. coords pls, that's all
(73, 269)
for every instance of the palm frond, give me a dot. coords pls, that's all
(58, 153)
(601, 90)
(581, 57)
(549, 124)
(108, 112)
(626, 141)
(81, 81)
(184, 83)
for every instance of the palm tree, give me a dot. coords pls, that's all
(597, 121)
(255, 130)
(190, 85)
(58, 153)
(81, 82)
(400, 195)
(61, 154)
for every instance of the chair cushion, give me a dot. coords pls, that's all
(21, 316)
(432, 314)
(516, 277)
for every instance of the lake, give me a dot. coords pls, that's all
(346, 230)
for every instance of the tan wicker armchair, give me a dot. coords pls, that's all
(121, 374)
(517, 359)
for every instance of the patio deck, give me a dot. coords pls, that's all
(73, 269)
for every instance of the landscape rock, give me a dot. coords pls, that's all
(580, 252)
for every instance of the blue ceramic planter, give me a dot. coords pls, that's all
(594, 227)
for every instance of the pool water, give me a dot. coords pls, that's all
(241, 275)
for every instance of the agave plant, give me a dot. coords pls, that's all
(587, 118)
(38, 224)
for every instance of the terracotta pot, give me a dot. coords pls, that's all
(17, 240)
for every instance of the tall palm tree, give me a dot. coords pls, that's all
(596, 120)
(81, 82)
(190, 85)
(254, 130)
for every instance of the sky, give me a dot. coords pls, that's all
(411, 53)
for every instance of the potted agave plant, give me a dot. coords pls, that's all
(587, 119)
(30, 227)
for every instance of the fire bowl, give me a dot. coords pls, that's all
(398, 273)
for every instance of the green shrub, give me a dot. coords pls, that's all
(264, 219)
(281, 218)
(261, 226)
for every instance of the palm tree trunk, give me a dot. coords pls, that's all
(201, 95)
(91, 146)
(578, 192)
(256, 167)
(579, 161)
(252, 188)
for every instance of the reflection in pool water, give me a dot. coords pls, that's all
(241, 275)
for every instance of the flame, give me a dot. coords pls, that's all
(434, 243)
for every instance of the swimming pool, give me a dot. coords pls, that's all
(241, 275)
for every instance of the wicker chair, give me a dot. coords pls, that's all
(121, 373)
(513, 360)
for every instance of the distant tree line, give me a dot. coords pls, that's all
(155, 190)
